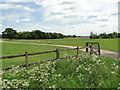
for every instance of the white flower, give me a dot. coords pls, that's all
(113, 72)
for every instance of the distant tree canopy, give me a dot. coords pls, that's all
(35, 34)
(104, 35)
(9, 33)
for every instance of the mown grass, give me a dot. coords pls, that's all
(107, 44)
(16, 49)
(83, 72)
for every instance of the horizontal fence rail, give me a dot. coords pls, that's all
(21, 55)
(57, 56)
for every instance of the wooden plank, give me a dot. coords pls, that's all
(10, 68)
(26, 59)
(91, 49)
(41, 52)
(68, 49)
(12, 56)
(28, 54)
(57, 54)
(92, 42)
(77, 51)
(99, 48)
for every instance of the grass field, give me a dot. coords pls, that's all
(83, 72)
(16, 49)
(107, 44)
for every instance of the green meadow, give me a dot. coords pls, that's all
(83, 72)
(106, 44)
(16, 49)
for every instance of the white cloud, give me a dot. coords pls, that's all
(7, 6)
(0, 25)
(12, 6)
(85, 15)
(45, 27)
(24, 20)
(18, 0)
(66, 11)
(2, 18)
(28, 9)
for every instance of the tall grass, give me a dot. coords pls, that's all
(83, 72)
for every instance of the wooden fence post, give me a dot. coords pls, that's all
(57, 54)
(99, 49)
(86, 47)
(77, 51)
(91, 49)
(26, 59)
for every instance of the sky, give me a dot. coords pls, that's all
(68, 17)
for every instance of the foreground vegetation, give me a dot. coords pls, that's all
(107, 44)
(83, 72)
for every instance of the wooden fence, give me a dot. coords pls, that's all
(57, 55)
(94, 48)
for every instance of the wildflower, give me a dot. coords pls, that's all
(113, 72)
(78, 68)
(117, 66)
(52, 86)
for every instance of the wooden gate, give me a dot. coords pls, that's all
(93, 48)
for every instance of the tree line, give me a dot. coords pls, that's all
(104, 35)
(35, 34)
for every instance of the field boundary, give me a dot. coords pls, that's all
(57, 55)
(108, 53)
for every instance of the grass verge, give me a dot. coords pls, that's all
(83, 72)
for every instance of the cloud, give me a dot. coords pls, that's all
(92, 16)
(67, 2)
(23, 20)
(0, 25)
(2, 18)
(103, 25)
(65, 16)
(28, 9)
(45, 27)
(67, 11)
(18, 0)
(102, 20)
(12, 6)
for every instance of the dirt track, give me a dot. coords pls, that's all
(103, 52)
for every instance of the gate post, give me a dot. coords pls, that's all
(77, 51)
(91, 50)
(86, 47)
(99, 48)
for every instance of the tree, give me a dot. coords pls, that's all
(115, 34)
(9, 33)
(93, 36)
(35, 34)
(74, 36)
(105, 36)
(118, 35)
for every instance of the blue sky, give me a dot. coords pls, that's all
(78, 17)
